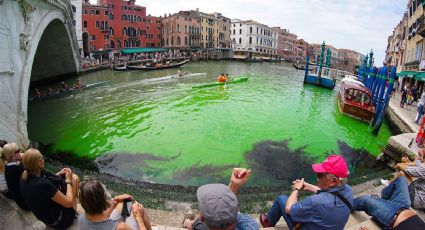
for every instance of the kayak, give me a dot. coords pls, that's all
(234, 80)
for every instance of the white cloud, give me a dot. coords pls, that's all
(360, 25)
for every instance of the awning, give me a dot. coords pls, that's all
(407, 73)
(142, 50)
(420, 76)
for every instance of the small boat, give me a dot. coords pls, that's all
(72, 90)
(355, 100)
(119, 68)
(170, 77)
(298, 67)
(158, 67)
(235, 80)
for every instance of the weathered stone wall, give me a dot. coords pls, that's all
(22, 25)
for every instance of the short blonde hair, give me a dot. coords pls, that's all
(9, 149)
(31, 162)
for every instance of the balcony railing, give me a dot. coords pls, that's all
(421, 26)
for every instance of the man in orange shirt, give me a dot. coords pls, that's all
(222, 78)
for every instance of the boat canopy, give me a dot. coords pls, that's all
(420, 76)
(142, 50)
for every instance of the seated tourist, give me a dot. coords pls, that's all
(3, 184)
(391, 211)
(12, 173)
(102, 212)
(55, 208)
(414, 173)
(78, 85)
(219, 206)
(328, 208)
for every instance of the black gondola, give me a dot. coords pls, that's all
(158, 67)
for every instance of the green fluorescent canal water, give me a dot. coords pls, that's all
(167, 132)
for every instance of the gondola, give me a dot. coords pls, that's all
(158, 67)
(298, 67)
(119, 68)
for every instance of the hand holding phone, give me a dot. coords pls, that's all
(126, 209)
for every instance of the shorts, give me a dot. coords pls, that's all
(413, 223)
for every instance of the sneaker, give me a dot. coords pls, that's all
(385, 182)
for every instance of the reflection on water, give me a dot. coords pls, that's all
(165, 131)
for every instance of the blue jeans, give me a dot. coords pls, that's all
(420, 113)
(278, 210)
(394, 197)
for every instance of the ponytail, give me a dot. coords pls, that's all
(31, 163)
(25, 175)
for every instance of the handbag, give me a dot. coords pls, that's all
(57, 181)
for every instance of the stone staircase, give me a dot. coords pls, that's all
(15, 218)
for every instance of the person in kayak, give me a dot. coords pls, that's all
(179, 72)
(222, 78)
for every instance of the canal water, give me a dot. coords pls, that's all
(166, 132)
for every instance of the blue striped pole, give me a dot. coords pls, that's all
(307, 64)
(375, 85)
(386, 100)
(380, 96)
(371, 76)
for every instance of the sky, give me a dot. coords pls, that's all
(360, 25)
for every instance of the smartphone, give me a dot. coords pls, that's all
(126, 209)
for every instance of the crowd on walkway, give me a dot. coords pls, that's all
(53, 198)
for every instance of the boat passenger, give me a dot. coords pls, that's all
(222, 78)
(37, 94)
(179, 72)
(64, 88)
(78, 85)
(50, 92)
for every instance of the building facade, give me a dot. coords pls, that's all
(77, 11)
(181, 30)
(287, 47)
(414, 36)
(301, 50)
(224, 25)
(342, 59)
(209, 30)
(118, 24)
(253, 40)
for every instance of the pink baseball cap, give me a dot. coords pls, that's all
(334, 164)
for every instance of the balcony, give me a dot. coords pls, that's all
(421, 26)
(413, 63)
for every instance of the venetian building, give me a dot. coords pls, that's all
(181, 31)
(252, 40)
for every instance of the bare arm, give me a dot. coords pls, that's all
(293, 198)
(239, 177)
(67, 200)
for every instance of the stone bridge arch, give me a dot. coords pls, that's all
(39, 41)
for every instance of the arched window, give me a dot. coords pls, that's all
(124, 31)
(240, 40)
(112, 44)
(111, 31)
(172, 41)
(250, 30)
(119, 43)
(125, 43)
(178, 40)
(124, 17)
(185, 40)
(178, 28)
(139, 19)
(250, 40)
(167, 41)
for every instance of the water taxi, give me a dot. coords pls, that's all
(355, 100)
